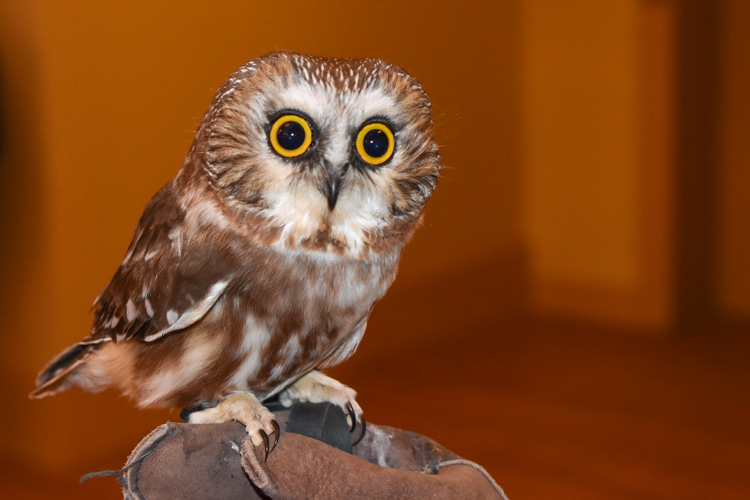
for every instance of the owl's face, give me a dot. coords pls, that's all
(336, 154)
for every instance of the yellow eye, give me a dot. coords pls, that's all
(375, 143)
(290, 136)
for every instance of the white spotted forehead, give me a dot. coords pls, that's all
(350, 75)
(346, 77)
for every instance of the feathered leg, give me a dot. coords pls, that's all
(245, 408)
(316, 387)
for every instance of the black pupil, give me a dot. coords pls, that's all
(291, 135)
(375, 143)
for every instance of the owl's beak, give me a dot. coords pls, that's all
(334, 178)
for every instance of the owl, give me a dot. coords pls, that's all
(260, 262)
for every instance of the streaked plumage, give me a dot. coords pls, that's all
(250, 269)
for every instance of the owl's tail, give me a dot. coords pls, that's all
(54, 377)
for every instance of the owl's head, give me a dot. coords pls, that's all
(336, 154)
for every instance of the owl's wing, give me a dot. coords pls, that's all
(168, 280)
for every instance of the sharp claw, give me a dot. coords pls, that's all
(364, 431)
(277, 433)
(264, 437)
(352, 416)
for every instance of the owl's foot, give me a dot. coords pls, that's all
(244, 408)
(315, 387)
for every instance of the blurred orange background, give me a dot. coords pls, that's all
(596, 173)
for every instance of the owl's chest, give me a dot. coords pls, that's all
(279, 318)
(303, 290)
(303, 311)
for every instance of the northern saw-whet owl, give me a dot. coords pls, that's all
(259, 263)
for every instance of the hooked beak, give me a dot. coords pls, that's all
(334, 181)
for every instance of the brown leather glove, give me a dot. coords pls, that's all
(189, 461)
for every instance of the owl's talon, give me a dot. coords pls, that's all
(352, 416)
(277, 433)
(264, 437)
(267, 442)
(362, 435)
(244, 408)
(316, 387)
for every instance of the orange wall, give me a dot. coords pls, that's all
(595, 80)
(734, 161)
(581, 144)
(100, 100)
